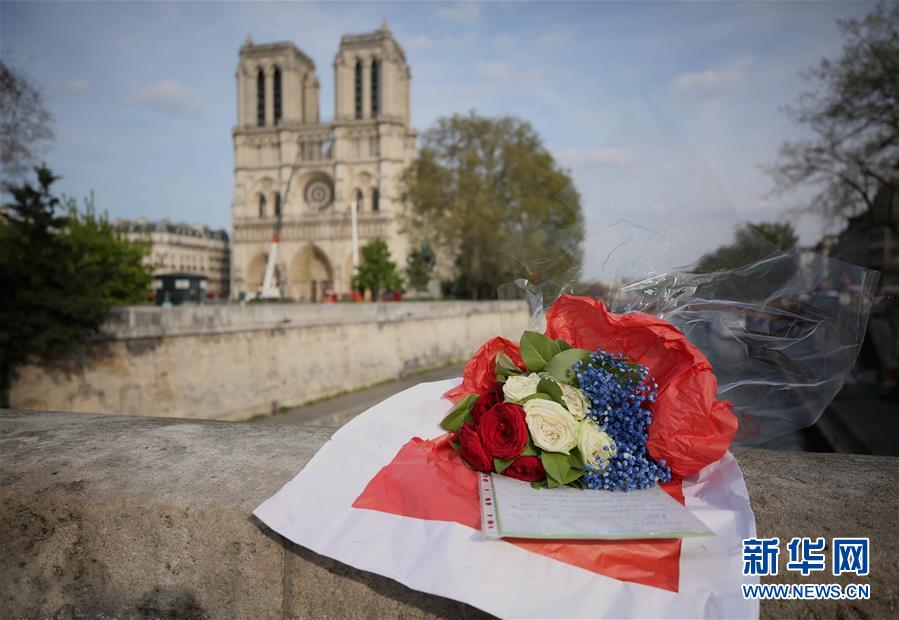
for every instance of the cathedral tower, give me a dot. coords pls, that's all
(297, 176)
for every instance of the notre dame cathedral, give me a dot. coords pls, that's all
(296, 176)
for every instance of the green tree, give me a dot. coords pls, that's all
(376, 272)
(490, 195)
(854, 118)
(110, 265)
(59, 275)
(752, 242)
(420, 266)
(25, 122)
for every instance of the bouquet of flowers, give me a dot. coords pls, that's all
(579, 406)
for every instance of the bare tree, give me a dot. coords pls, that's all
(25, 122)
(854, 116)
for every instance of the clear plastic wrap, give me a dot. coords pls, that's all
(781, 333)
(781, 330)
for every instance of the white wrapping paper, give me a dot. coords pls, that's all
(448, 559)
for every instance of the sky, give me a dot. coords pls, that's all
(663, 112)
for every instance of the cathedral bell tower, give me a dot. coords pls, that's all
(296, 177)
(371, 78)
(276, 84)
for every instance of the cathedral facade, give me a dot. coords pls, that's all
(296, 177)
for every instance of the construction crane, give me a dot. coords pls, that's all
(271, 287)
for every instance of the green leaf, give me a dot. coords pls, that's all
(563, 346)
(574, 458)
(556, 465)
(530, 449)
(551, 389)
(573, 474)
(577, 484)
(500, 465)
(539, 484)
(537, 350)
(505, 366)
(533, 396)
(456, 417)
(560, 365)
(552, 484)
(456, 445)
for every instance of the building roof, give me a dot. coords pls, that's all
(265, 49)
(144, 225)
(366, 38)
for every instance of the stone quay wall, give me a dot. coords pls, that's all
(131, 517)
(230, 362)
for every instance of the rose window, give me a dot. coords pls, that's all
(319, 193)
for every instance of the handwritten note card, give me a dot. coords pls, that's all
(513, 509)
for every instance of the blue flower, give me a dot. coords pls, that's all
(620, 392)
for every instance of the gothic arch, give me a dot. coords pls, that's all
(310, 274)
(275, 206)
(363, 180)
(260, 97)
(261, 204)
(277, 102)
(255, 273)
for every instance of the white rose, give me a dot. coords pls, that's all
(575, 401)
(552, 427)
(594, 445)
(518, 387)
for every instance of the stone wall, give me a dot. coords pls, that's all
(131, 517)
(231, 362)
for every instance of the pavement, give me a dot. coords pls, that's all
(337, 411)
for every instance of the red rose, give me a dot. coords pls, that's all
(485, 401)
(472, 450)
(528, 468)
(503, 431)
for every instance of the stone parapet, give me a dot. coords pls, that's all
(132, 517)
(186, 320)
(231, 362)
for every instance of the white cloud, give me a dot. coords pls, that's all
(461, 12)
(74, 87)
(502, 71)
(763, 204)
(494, 69)
(168, 97)
(597, 157)
(709, 81)
(552, 38)
(421, 42)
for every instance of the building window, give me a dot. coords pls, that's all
(277, 205)
(277, 94)
(261, 205)
(260, 99)
(375, 87)
(358, 88)
(375, 200)
(360, 200)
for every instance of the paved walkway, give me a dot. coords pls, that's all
(338, 411)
